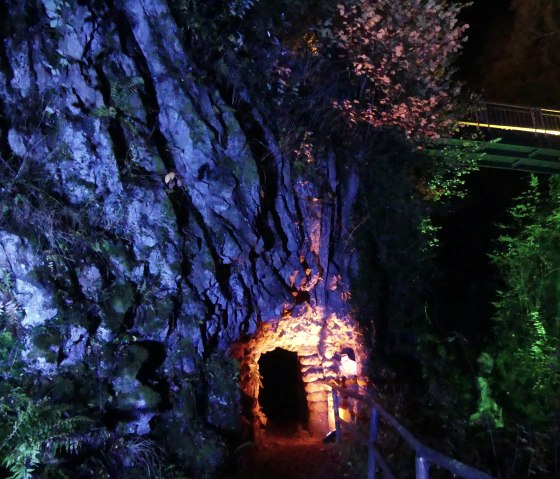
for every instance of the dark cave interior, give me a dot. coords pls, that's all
(283, 397)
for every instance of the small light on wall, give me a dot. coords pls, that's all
(348, 368)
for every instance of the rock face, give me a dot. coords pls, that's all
(147, 220)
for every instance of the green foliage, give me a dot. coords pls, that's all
(444, 175)
(429, 232)
(10, 311)
(487, 410)
(526, 374)
(10, 362)
(11, 366)
(122, 107)
(34, 430)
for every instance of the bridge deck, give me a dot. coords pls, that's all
(521, 126)
(505, 156)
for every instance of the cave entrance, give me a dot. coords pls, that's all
(295, 358)
(282, 397)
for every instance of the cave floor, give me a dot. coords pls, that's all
(299, 456)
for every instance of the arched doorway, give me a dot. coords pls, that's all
(318, 341)
(282, 395)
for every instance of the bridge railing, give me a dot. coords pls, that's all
(425, 456)
(516, 118)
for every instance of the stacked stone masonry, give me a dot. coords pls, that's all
(318, 338)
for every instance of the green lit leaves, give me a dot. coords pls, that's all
(528, 308)
(488, 409)
(122, 107)
(33, 430)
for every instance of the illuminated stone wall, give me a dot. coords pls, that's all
(318, 339)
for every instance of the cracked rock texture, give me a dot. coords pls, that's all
(148, 221)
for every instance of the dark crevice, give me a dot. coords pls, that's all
(223, 271)
(93, 318)
(252, 270)
(265, 232)
(120, 144)
(130, 315)
(5, 125)
(32, 19)
(300, 296)
(60, 355)
(128, 318)
(335, 226)
(266, 168)
(210, 341)
(253, 256)
(174, 315)
(115, 129)
(89, 41)
(79, 103)
(305, 267)
(243, 327)
(6, 26)
(299, 215)
(148, 373)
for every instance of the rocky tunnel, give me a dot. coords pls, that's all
(286, 367)
(282, 395)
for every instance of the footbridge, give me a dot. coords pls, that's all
(537, 121)
(530, 138)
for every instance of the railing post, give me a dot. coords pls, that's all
(422, 468)
(336, 416)
(372, 440)
(532, 112)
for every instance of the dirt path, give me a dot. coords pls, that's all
(297, 457)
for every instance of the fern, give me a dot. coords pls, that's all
(105, 112)
(122, 90)
(121, 109)
(34, 431)
(10, 310)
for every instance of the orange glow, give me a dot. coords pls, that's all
(318, 338)
(344, 414)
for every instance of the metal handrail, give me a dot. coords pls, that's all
(516, 118)
(425, 456)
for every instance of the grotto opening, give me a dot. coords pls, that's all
(282, 395)
(319, 341)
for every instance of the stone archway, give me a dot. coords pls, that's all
(318, 339)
